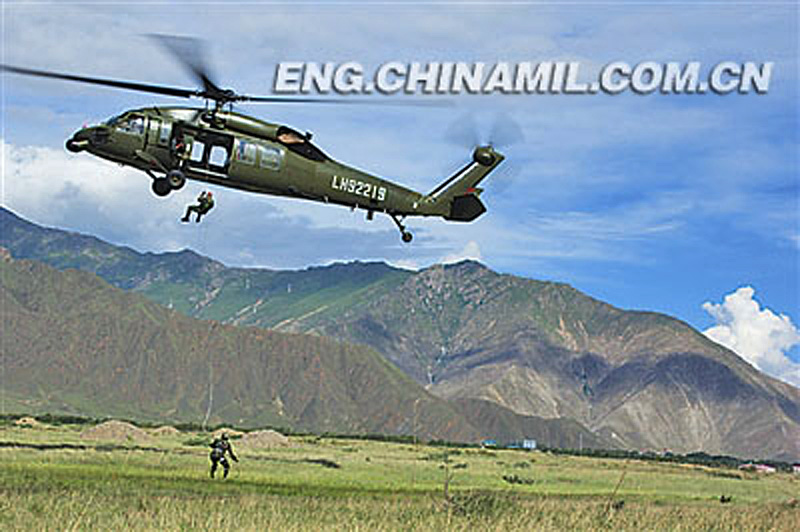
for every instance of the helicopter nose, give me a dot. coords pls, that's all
(88, 137)
(78, 142)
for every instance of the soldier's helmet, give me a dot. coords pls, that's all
(224, 436)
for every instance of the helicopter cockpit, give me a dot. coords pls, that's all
(300, 144)
(127, 122)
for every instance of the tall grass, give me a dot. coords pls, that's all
(378, 486)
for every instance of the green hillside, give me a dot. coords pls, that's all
(198, 286)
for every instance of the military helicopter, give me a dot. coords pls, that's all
(226, 148)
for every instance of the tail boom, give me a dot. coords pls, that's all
(457, 199)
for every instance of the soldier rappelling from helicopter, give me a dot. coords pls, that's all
(219, 447)
(205, 202)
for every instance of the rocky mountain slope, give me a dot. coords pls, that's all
(71, 343)
(539, 349)
(641, 379)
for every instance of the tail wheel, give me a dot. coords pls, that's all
(161, 187)
(405, 235)
(176, 179)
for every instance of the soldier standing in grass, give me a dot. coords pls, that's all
(219, 447)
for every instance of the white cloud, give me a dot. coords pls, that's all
(758, 335)
(471, 251)
(54, 187)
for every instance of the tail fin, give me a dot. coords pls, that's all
(457, 198)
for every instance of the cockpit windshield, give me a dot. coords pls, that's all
(299, 144)
(128, 123)
(114, 119)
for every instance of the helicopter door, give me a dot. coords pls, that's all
(211, 153)
(158, 133)
(132, 129)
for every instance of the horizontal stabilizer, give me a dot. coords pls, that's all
(465, 208)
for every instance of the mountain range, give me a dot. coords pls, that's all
(497, 354)
(74, 344)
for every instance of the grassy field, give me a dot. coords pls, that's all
(335, 484)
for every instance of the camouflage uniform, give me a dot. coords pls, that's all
(205, 202)
(219, 447)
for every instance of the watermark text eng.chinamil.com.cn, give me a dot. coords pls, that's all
(547, 77)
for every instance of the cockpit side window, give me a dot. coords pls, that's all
(132, 124)
(299, 144)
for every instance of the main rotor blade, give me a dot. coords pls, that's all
(190, 53)
(343, 101)
(128, 85)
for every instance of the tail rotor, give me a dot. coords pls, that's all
(502, 132)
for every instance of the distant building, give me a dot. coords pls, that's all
(758, 468)
(489, 443)
(796, 469)
(522, 444)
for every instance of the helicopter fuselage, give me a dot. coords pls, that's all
(173, 144)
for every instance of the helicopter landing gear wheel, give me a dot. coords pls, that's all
(176, 179)
(405, 235)
(161, 187)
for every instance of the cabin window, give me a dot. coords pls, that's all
(218, 156)
(197, 151)
(246, 152)
(269, 157)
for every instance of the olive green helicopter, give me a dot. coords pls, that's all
(217, 145)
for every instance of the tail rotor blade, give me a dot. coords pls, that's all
(463, 132)
(505, 132)
(467, 132)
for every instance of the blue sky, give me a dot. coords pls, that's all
(654, 202)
